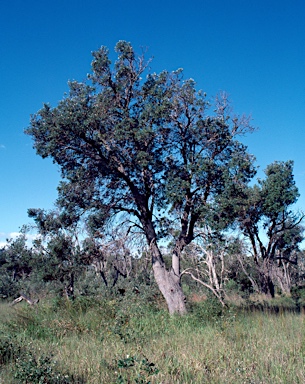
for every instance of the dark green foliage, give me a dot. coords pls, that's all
(298, 294)
(57, 255)
(143, 148)
(266, 211)
(143, 152)
(278, 190)
(270, 205)
(16, 264)
(208, 311)
(128, 139)
(30, 369)
(135, 369)
(10, 348)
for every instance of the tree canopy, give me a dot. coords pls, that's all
(148, 146)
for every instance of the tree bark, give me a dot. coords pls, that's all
(170, 289)
(27, 299)
(267, 285)
(168, 282)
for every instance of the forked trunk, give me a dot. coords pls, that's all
(168, 282)
(170, 288)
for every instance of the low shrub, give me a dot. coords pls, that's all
(30, 369)
(132, 369)
(208, 310)
(10, 348)
(298, 295)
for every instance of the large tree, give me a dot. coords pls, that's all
(146, 148)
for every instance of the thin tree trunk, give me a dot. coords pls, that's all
(254, 284)
(69, 290)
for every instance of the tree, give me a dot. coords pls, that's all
(57, 255)
(111, 259)
(207, 267)
(143, 151)
(272, 228)
(15, 265)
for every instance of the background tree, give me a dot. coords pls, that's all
(111, 258)
(15, 265)
(146, 148)
(58, 256)
(272, 228)
(206, 262)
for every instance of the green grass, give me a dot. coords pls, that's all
(130, 341)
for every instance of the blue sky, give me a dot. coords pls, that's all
(253, 50)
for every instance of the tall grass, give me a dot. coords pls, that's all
(130, 341)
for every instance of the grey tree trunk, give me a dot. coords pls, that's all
(168, 283)
(170, 289)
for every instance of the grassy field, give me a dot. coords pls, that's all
(127, 340)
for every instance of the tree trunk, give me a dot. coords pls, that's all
(69, 290)
(170, 289)
(168, 282)
(267, 286)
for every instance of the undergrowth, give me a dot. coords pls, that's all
(131, 340)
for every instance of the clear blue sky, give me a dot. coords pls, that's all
(253, 50)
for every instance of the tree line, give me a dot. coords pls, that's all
(156, 186)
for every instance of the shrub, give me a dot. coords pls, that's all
(136, 370)
(298, 294)
(10, 348)
(207, 311)
(38, 370)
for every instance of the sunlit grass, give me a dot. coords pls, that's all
(88, 343)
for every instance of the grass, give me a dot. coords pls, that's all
(130, 341)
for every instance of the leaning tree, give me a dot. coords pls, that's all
(146, 148)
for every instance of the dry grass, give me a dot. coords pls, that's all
(255, 348)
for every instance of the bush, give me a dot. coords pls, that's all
(207, 311)
(298, 295)
(38, 370)
(10, 348)
(136, 370)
